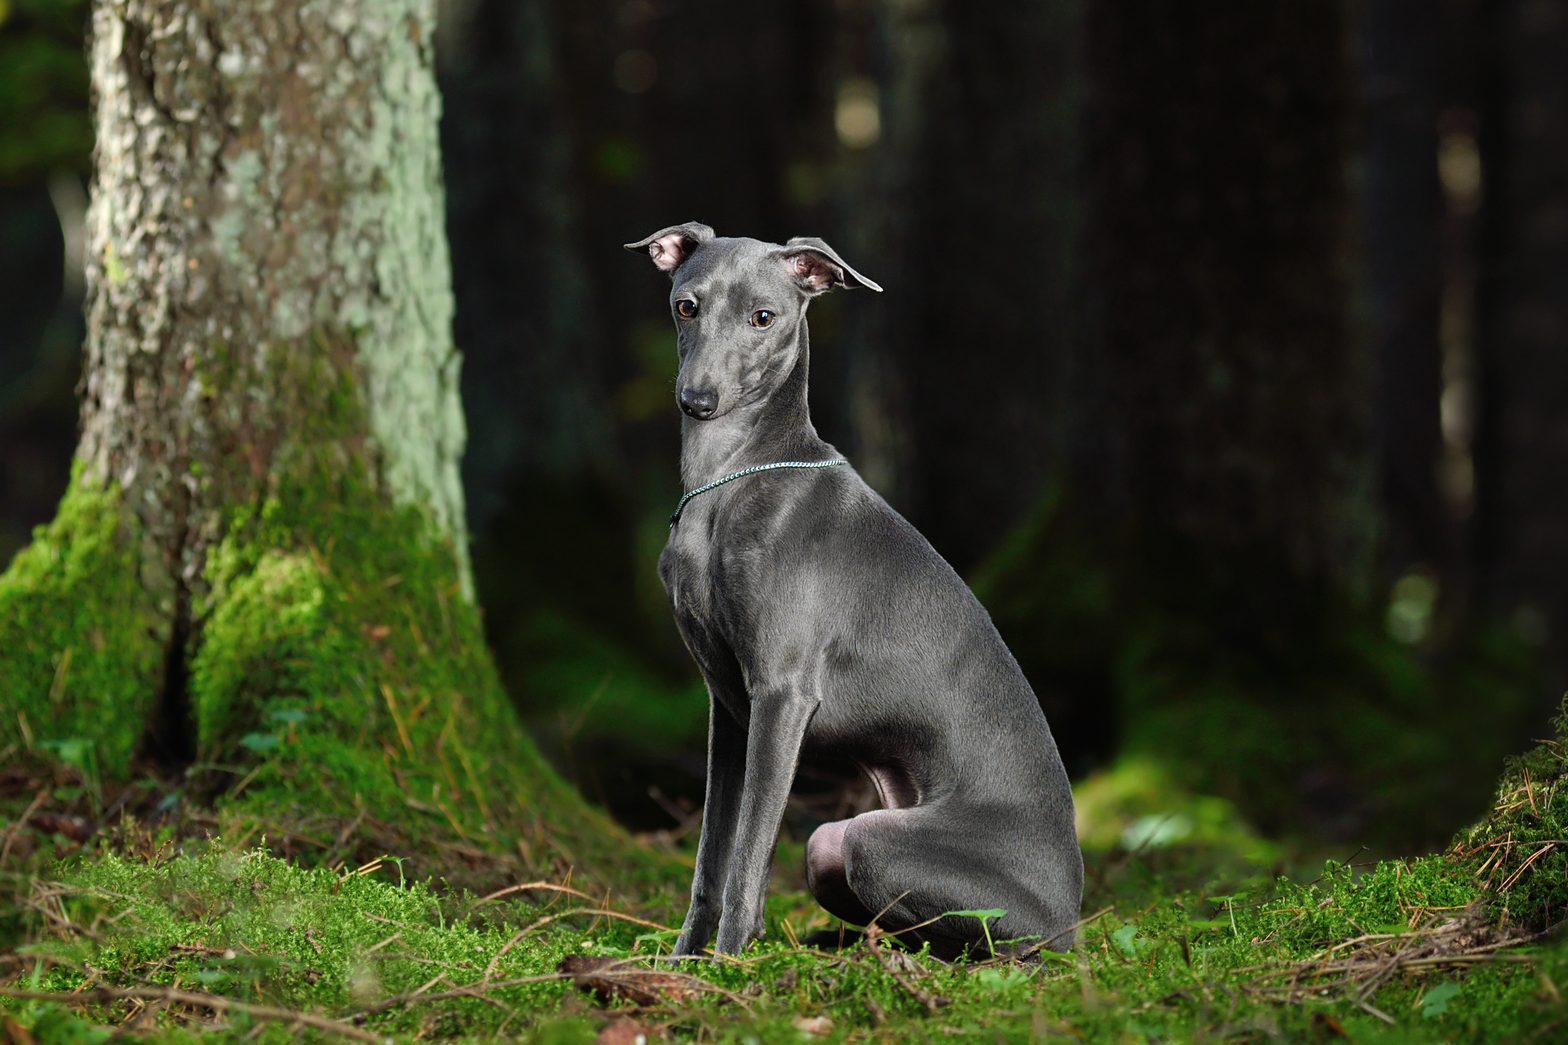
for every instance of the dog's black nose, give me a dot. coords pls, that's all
(699, 404)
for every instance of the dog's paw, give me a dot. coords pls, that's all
(737, 932)
(690, 944)
(696, 931)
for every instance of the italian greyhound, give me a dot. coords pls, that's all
(827, 627)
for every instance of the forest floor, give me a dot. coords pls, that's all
(1194, 929)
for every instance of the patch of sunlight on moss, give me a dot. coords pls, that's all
(1136, 804)
(81, 642)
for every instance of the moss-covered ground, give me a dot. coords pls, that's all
(1195, 929)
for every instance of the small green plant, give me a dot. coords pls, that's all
(986, 918)
(81, 755)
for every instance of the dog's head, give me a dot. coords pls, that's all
(738, 306)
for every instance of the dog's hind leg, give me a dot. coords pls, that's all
(827, 877)
(909, 869)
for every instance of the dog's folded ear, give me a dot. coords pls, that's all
(818, 268)
(670, 247)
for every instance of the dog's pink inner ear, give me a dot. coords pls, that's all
(814, 272)
(670, 250)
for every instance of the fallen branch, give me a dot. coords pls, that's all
(529, 887)
(597, 912)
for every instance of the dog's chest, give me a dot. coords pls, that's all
(685, 567)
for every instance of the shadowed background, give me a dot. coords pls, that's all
(1223, 352)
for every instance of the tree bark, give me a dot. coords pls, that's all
(262, 553)
(267, 189)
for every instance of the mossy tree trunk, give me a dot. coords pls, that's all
(261, 557)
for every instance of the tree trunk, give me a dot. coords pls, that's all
(1226, 417)
(262, 552)
(1212, 511)
(974, 186)
(1521, 447)
(535, 376)
(1403, 216)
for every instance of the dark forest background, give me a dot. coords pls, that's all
(1224, 350)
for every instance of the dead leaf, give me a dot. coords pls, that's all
(15, 1033)
(1327, 1026)
(611, 978)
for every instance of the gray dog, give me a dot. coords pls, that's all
(828, 628)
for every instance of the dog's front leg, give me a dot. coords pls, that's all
(778, 726)
(721, 803)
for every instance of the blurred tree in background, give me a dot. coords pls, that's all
(1521, 438)
(45, 141)
(1218, 350)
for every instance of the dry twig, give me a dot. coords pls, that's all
(201, 999)
(932, 1002)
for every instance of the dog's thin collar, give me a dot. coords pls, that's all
(753, 470)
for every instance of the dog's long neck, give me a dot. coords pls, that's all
(777, 428)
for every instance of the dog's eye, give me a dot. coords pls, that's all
(686, 308)
(762, 319)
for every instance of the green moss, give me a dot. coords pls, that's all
(1342, 904)
(340, 658)
(1188, 966)
(1136, 805)
(1517, 851)
(258, 929)
(338, 675)
(81, 641)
